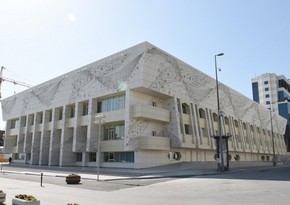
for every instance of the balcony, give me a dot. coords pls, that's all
(150, 112)
(154, 143)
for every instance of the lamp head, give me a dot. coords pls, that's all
(220, 54)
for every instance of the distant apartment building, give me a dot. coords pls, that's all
(273, 91)
(158, 110)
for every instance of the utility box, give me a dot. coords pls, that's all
(222, 159)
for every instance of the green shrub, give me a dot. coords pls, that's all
(25, 197)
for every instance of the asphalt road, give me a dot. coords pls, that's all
(255, 186)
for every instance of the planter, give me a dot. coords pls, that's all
(2, 197)
(73, 179)
(16, 201)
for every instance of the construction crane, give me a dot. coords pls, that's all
(15, 82)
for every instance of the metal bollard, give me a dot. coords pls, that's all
(41, 179)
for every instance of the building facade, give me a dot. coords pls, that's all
(158, 110)
(273, 92)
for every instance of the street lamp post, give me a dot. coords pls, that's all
(272, 133)
(99, 119)
(221, 158)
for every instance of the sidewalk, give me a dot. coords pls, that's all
(107, 174)
(184, 169)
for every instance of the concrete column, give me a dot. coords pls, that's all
(54, 149)
(35, 148)
(80, 132)
(210, 127)
(8, 140)
(192, 123)
(91, 145)
(21, 136)
(85, 158)
(197, 125)
(44, 147)
(44, 141)
(67, 156)
(27, 137)
(35, 143)
(234, 137)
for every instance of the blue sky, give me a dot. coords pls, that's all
(40, 40)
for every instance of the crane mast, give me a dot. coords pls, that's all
(15, 82)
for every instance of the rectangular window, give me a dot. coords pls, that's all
(23, 121)
(154, 133)
(266, 89)
(31, 119)
(121, 101)
(71, 112)
(28, 156)
(266, 82)
(49, 115)
(99, 107)
(187, 129)
(115, 103)
(114, 132)
(110, 134)
(14, 124)
(267, 96)
(40, 116)
(85, 108)
(154, 104)
(79, 157)
(60, 114)
(204, 132)
(110, 104)
(124, 157)
(267, 102)
(92, 157)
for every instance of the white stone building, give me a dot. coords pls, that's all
(159, 110)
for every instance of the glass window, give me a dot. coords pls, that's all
(93, 157)
(60, 113)
(186, 129)
(266, 89)
(115, 103)
(122, 102)
(23, 121)
(31, 119)
(110, 104)
(49, 115)
(267, 102)
(79, 157)
(14, 124)
(114, 132)
(85, 108)
(71, 111)
(267, 96)
(215, 117)
(124, 157)
(99, 107)
(266, 82)
(201, 113)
